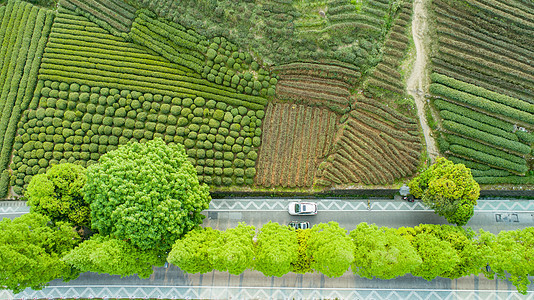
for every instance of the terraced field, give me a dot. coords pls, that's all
(482, 82)
(289, 94)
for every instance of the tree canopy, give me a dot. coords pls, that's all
(330, 249)
(31, 247)
(58, 194)
(103, 254)
(146, 193)
(233, 251)
(449, 189)
(382, 253)
(276, 249)
(190, 253)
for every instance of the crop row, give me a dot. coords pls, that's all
(481, 92)
(326, 71)
(505, 179)
(120, 19)
(122, 80)
(516, 71)
(469, 20)
(488, 82)
(483, 103)
(391, 112)
(458, 118)
(383, 127)
(454, 139)
(311, 96)
(473, 165)
(486, 137)
(491, 160)
(386, 116)
(471, 114)
(77, 123)
(24, 29)
(492, 23)
(460, 33)
(369, 156)
(471, 61)
(295, 138)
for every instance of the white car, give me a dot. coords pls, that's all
(302, 208)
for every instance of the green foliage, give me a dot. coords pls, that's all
(190, 253)
(233, 250)
(276, 250)
(330, 249)
(113, 256)
(382, 253)
(449, 189)
(438, 256)
(147, 193)
(58, 194)
(31, 248)
(511, 256)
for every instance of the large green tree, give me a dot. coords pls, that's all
(233, 251)
(276, 249)
(511, 256)
(59, 194)
(146, 193)
(190, 253)
(382, 253)
(103, 254)
(330, 249)
(449, 189)
(31, 248)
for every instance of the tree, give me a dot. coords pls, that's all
(330, 249)
(58, 194)
(382, 253)
(103, 254)
(302, 264)
(190, 253)
(31, 247)
(233, 251)
(146, 193)
(438, 256)
(449, 189)
(511, 256)
(276, 249)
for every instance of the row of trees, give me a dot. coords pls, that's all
(427, 251)
(120, 216)
(141, 205)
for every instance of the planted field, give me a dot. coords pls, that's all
(484, 76)
(377, 145)
(259, 95)
(24, 29)
(296, 139)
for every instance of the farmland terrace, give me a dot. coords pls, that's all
(283, 95)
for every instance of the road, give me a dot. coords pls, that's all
(492, 215)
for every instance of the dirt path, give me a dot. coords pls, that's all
(417, 83)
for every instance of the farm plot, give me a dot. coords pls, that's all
(115, 16)
(317, 84)
(296, 139)
(79, 51)
(24, 29)
(77, 123)
(377, 145)
(386, 81)
(483, 77)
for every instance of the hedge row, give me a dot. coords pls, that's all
(24, 28)
(480, 102)
(469, 163)
(471, 114)
(453, 139)
(473, 123)
(527, 137)
(486, 137)
(481, 92)
(505, 180)
(488, 159)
